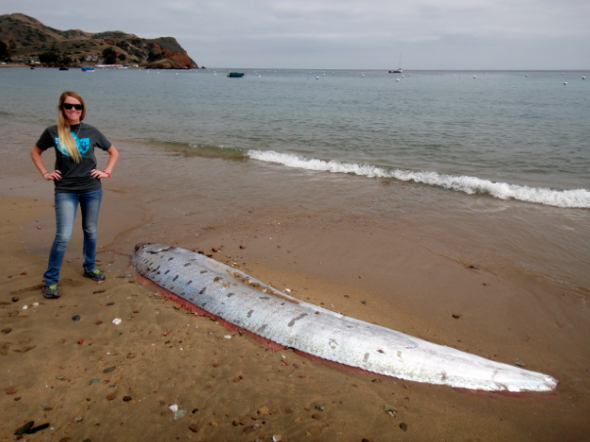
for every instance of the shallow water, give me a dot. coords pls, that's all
(484, 170)
(447, 129)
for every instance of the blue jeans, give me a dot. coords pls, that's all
(66, 205)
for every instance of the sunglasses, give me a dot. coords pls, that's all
(69, 106)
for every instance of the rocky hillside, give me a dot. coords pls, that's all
(23, 38)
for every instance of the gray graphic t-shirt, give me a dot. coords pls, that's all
(75, 176)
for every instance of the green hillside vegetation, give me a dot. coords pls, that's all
(25, 39)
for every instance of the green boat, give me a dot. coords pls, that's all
(235, 74)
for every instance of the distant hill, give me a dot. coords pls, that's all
(23, 38)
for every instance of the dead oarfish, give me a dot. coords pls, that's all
(204, 284)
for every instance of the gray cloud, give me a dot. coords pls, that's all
(363, 34)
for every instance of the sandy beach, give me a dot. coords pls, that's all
(63, 362)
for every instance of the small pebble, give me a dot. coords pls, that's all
(25, 307)
(277, 438)
(78, 419)
(110, 303)
(38, 428)
(6, 330)
(179, 414)
(389, 409)
(95, 381)
(173, 408)
(403, 426)
(15, 299)
(61, 377)
(520, 364)
(127, 398)
(108, 370)
(76, 318)
(116, 321)
(24, 429)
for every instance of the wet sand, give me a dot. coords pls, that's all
(59, 371)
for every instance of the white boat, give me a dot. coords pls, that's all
(398, 70)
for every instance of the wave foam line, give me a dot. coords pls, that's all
(578, 198)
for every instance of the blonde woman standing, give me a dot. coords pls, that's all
(77, 182)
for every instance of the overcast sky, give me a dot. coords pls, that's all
(344, 34)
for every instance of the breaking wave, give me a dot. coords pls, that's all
(578, 198)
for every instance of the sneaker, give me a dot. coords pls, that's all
(95, 275)
(50, 291)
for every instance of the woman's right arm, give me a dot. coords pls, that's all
(40, 165)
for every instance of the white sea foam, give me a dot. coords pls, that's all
(578, 198)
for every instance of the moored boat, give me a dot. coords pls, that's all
(398, 70)
(235, 74)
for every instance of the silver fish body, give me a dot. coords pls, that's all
(262, 310)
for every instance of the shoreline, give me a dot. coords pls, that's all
(229, 372)
(502, 237)
(165, 356)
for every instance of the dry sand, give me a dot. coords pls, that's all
(93, 380)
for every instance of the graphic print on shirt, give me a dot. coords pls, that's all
(82, 143)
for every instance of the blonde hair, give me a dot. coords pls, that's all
(66, 140)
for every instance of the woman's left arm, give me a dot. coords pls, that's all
(113, 155)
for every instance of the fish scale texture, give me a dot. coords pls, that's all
(262, 310)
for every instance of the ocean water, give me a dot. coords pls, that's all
(496, 159)
(512, 135)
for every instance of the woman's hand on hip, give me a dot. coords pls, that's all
(52, 176)
(95, 173)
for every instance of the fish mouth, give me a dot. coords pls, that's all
(139, 245)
